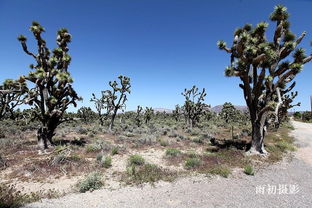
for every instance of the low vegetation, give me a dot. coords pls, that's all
(220, 170)
(148, 173)
(91, 182)
(136, 160)
(249, 170)
(10, 197)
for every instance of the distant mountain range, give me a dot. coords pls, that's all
(216, 109)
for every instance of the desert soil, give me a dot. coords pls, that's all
(286, 184)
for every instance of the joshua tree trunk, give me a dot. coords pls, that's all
(111, 125)
(101, 120)
(258, 133)
(44, 135)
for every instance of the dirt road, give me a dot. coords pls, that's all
(288, 184)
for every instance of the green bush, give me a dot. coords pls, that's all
(220, 170)
(115, 150)
(12, 198)
(285, 146)
(172, 152)
(93, 148)
(106, 162)
(191, 163)
(148, 173)
(99, 157)
(198, 140)
(248, 169)
(91, 182)
(164, 143)
(136, 160)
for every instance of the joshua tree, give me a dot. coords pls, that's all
(306, 116)
(176, 113)
(138, 115)
(263, 70)
(116, 98)
(193, 107)
(208, 115)
(85, 113)
(148, 114)
(287, 100)
(11, 95)
(101, 104)
(230, 114)
(52, 92)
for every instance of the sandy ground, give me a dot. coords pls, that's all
(287, 184)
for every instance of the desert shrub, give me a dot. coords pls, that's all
(91, 134)
(297, 115)
(183, 137)
(10, 197)
(285, 146)
(198, 140)
(91, 182)
(194, 131)
(99, 156)
(3, 163)
(173, 134)
(2, 135)
(172, 152)
(220, 170)
(249, 170)
(104, 145)
(106, 162)
(115, 150)
(191, 163)
(245, 132)
(93, 148)
(98, 145)
(122, 138)
(148, 173)
(288, 125)
(306, 116)
(148, 140)
(58, 159)
(164, 142)
(129, 134)
(136, 160)
(6, 142)
(191, 154)
(81, 130)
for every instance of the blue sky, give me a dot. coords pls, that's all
(164, 46)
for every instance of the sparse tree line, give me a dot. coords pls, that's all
(305, 116)
(264, 67)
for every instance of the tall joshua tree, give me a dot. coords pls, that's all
(101, 104)
(138, 116)
(11, 95)
(116, 98)
(263, 69)
(229, 113)
(148, 114)
(52, 92)
(176, 113)
(86, 114)
(193, 107)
